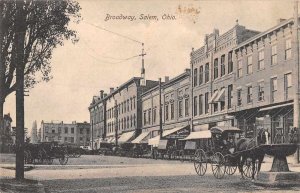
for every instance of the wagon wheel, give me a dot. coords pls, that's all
(230, 166)
(247, 168)
(217, 164)
(200, 162)
(63, 160)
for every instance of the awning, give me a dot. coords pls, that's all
(154, 141)
(177, 133)
(221, 95)
(199, 135)
(141, 138)
(221, 129)
(125, 137)
(212, 99)
(275, 106)
(111, 140)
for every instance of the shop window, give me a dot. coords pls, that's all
(215, 104)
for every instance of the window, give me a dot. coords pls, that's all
(222, 101)
(131, 120)
(249, 65)
(66, 139)
(288, 49)
(261, 92)
(206, 72)
(167, 112)
(149, 116)
(274, 55)
(201, 75)
(206, 105)
(273, 89)
(230, 63)
(195, 76)
(127, 122)
(249, 94)
(131, 104)
(186, 107)
(180, 108)
(240, 69)
(53, 130)
(81, 130)
(195, 105)
(72, 130)
(59, 130)
(72, 139)
(145, 118)
(134, 120)
(261, 58)
(154, 115)
(288, 86)
(216, 68)
(81, 138)
(215, 104)
(124, 106)
(87, 131)
(239, 97)
(222, 65)
(200, 104)
(172, 111)
(66, 129)
(230, 95)
(128, 105)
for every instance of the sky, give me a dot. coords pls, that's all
(98, 61)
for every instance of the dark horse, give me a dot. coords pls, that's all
(248, 150)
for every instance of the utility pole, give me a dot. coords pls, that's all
(19, 44)
(116, 122)
(296, 76)
(160, 110)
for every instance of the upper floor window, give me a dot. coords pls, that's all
(200, 104)
(72, 130)
(230, 96)
(172, 111)
(216, 68)
(288, 49)
(249, 94)
(180, 108)
(261, 60)
(149, 116)
(249, 65)
(206, 104)
(154, 115)
(195, 106)
(145, 118)
(66, 129)
(261, 92)
(273, 89)
(240, 69)
(288, 86)
(274, 55)
(200, 75)
(195, 76)
(230, 63)
(167, 112)
(222, 65)
(186, 107)
(206, 72)
(239, 97)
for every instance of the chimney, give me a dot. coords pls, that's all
(166, 79)
(101, 94)
(111, 90)
(280, 20)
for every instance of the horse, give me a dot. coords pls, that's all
(245, 144)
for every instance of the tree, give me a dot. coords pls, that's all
(46, 27)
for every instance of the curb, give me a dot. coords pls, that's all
(12, 185)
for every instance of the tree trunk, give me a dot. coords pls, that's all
(2, 71)
(20, 38)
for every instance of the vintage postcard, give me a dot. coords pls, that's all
(149, 96)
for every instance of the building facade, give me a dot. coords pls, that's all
(74, 133)
(213, 78)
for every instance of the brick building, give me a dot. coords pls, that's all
(75, 133)
(213, 77)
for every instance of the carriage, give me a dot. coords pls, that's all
(218, 148)
(45, 153)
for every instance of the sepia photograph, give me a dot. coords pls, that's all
(140, 96)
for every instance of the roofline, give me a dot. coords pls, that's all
(244, 43)
(182, 75)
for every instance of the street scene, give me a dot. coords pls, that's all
(140, 96)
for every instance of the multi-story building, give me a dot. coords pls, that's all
(98, 119)
(75, 133)
(175, 106)
(213, 77)
(123, 109)
(265, 79)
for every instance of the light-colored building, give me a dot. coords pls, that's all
(33, 134)
(75, 133)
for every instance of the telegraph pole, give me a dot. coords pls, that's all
(160, 110)
(19, 44)
(296, 70)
